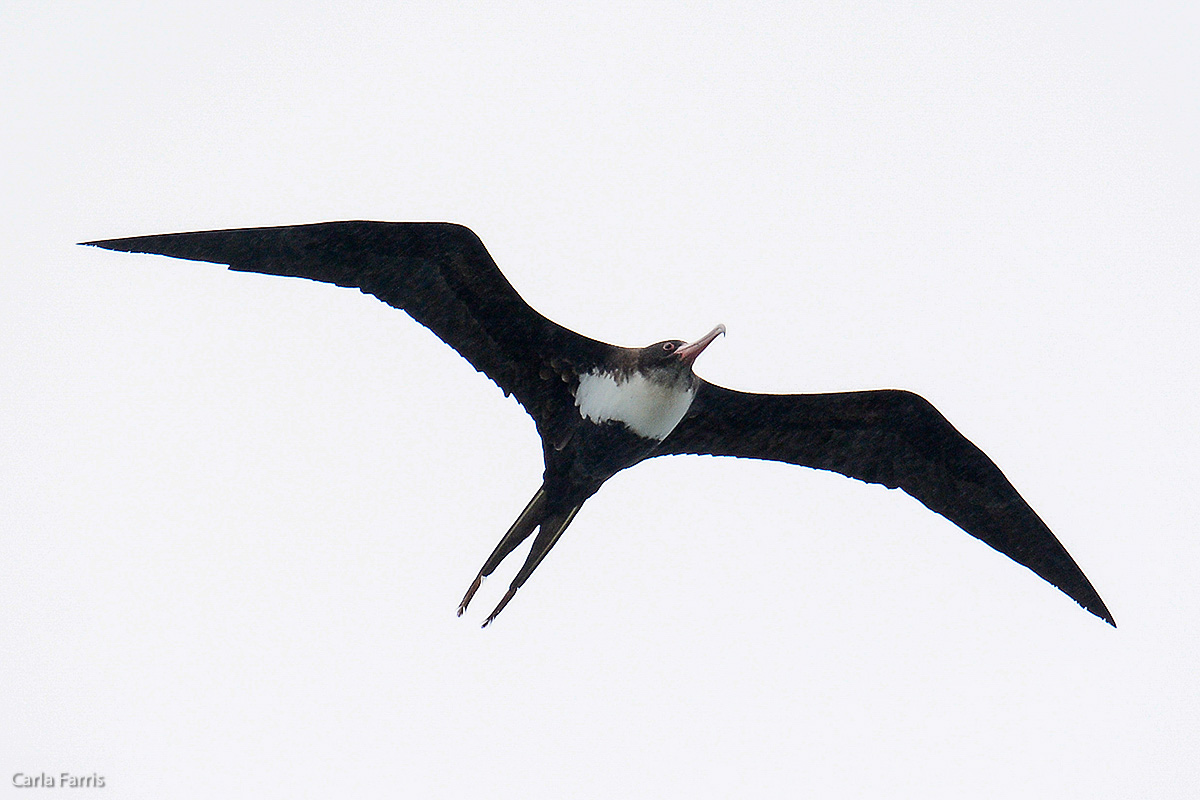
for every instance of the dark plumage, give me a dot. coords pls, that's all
(600, 408)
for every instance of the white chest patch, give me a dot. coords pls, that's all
(648, 408)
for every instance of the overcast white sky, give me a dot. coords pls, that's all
(239, 511)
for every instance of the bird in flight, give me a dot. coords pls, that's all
(600, 408)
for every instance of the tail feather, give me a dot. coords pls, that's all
(552, 529)
(525, 524)
(550, 520)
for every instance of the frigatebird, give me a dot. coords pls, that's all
(600, 408)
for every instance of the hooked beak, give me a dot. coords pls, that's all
(689, 352)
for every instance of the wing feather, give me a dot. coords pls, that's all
(438, 272)
(891, 437)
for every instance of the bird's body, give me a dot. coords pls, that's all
(647, 407)
(600, 408)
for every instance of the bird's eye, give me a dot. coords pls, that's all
(668, 347)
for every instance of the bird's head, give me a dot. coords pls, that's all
(674, 358)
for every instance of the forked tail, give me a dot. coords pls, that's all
(539, 512)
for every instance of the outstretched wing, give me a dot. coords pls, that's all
(891, 437)
(438, 272)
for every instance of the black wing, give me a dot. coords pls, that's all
(891, 437)
(438, 272)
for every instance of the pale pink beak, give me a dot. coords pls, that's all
(689, 352)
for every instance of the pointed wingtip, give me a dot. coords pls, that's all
(107, 244)
(1100, 610)
(1090, 599)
